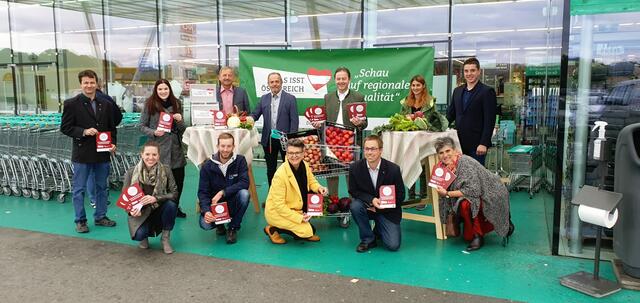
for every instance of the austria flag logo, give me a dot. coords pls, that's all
(318, 78)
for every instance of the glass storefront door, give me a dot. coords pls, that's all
(36, 88)
(603, 84)
(7, 96)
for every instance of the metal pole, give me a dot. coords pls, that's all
(596, 265)
(449, 54)
(560, 136)
(581, 127)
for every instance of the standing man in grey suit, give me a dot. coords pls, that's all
(280, 112)
(228, 95)
(337, 106)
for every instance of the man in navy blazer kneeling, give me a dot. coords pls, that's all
(366, 176)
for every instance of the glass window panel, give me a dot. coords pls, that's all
(32, 32)
(5, 41)
(253, 22)
(132, 50)
(189, 42)
(80, 43)
(411, 21)
(325, 24)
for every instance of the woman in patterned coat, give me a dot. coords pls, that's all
(477, 196)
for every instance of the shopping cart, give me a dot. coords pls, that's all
(330, 158)
(35, 162)
(526, 168)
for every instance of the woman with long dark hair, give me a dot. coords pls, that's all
(171, 152)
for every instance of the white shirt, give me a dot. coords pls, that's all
(341, 97)
(224, 166)
(373, 172)
(275, 104)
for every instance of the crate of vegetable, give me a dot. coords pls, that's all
(312, 148)
(338, 208)
(418, 121)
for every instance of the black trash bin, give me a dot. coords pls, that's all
(626, 233)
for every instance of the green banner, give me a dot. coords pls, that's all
(594, 7)
(381, 75)
(550, 70)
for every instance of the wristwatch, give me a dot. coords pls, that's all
(447, 196)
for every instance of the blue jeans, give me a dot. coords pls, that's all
(388, 231)
(168, 211)
(237, 206)
(81, 172)
(91, 188)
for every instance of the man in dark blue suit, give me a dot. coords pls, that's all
(280, 109)
(473, 108)
(366, 176)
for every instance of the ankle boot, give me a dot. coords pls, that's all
(165, 240)
(476, 243)
(144, 244)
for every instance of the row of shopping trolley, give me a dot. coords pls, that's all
(35, 155)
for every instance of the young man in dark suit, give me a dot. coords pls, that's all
(280, 112)
(473, 108)
(228, 95)
(83, 117)
(365, 178)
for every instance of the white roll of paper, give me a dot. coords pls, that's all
(598, 216)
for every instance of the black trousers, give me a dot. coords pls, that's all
(271, 157)
(178, 175)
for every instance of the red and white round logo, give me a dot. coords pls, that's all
(132, 191)
(219, 209)
(386, 191)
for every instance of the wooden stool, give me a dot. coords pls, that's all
(432, 199)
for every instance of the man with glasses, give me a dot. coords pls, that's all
(366, 176)
(280, 112)
(224, 178)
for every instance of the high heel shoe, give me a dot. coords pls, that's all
(505, 240)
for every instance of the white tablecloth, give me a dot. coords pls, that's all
(408, 149)
(203, 141)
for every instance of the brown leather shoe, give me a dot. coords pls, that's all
(314, 238)
(274, 236)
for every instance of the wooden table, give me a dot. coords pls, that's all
(202, 142)
(414, 152)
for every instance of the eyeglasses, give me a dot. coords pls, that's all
(371, 148)
(295, 153)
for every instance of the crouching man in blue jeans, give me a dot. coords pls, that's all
(224, 178)
(365, 178)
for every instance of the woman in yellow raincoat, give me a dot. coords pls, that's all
(285, 209)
